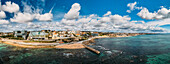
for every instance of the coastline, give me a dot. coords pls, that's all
(34, 45)
(72, 45)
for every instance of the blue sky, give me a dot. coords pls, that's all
(88, 7)
(99, 7)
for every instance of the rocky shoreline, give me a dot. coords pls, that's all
(72, 45)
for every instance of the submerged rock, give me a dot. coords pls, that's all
(141, 60)
(131, 61)
(6, 58)
(1, 62)
(67, 54)
(108, 52)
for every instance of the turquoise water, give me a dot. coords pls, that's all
(150, 49)
(15, 55)
(142, 49)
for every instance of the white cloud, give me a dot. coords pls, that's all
(2, 14)
(119, 19)
(91, 24)
(4, 21)
(108, 13)
(72, 21)
(138, 21)
(22, 17)
(105, 19)
(129, 11)
(68, 22)
(30, 9)
(10, 7)
(163, 11)
(160, 22)
(27, 8)
(28, 17)
(84, 20)
(132, 7)
(0, 5)
(30, 14)
(160, 14)
(93, 16)
(73, 13)
(44, 17)
(116, 23)
(145, 14)
(37, 12)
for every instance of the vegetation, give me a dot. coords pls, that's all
(7, 36)
(19, 38)
(31, 41)
(12, 37)
(74, 35)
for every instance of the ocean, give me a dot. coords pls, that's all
(142, 49)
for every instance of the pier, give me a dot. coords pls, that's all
(92, 49)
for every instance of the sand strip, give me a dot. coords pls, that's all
(73, 45)
(63, 46)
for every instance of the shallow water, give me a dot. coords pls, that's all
(15, 55)
(143, 49)
(150, 49)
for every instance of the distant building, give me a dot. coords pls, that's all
(94, 33)
(6, 33)
(78, 33)
(62, 34)
(10, 33)
(23, 34)
(1, 33)
(50, 34)
(55, 35)
(45, 31)
(38, 35)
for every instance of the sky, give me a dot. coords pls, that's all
(86, 15)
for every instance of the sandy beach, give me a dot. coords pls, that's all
(63, 46)
(72, 45)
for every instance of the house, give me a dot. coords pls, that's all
(1, 33)
(50, 34)
(70, 33)
(94, 33)
(38, 35)
(55, 35)
(10, 33)
(62, 34)
(45, 31)
(21, 34)
(78, 33)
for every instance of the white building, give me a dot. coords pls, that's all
(37, 35)
(23, 34)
